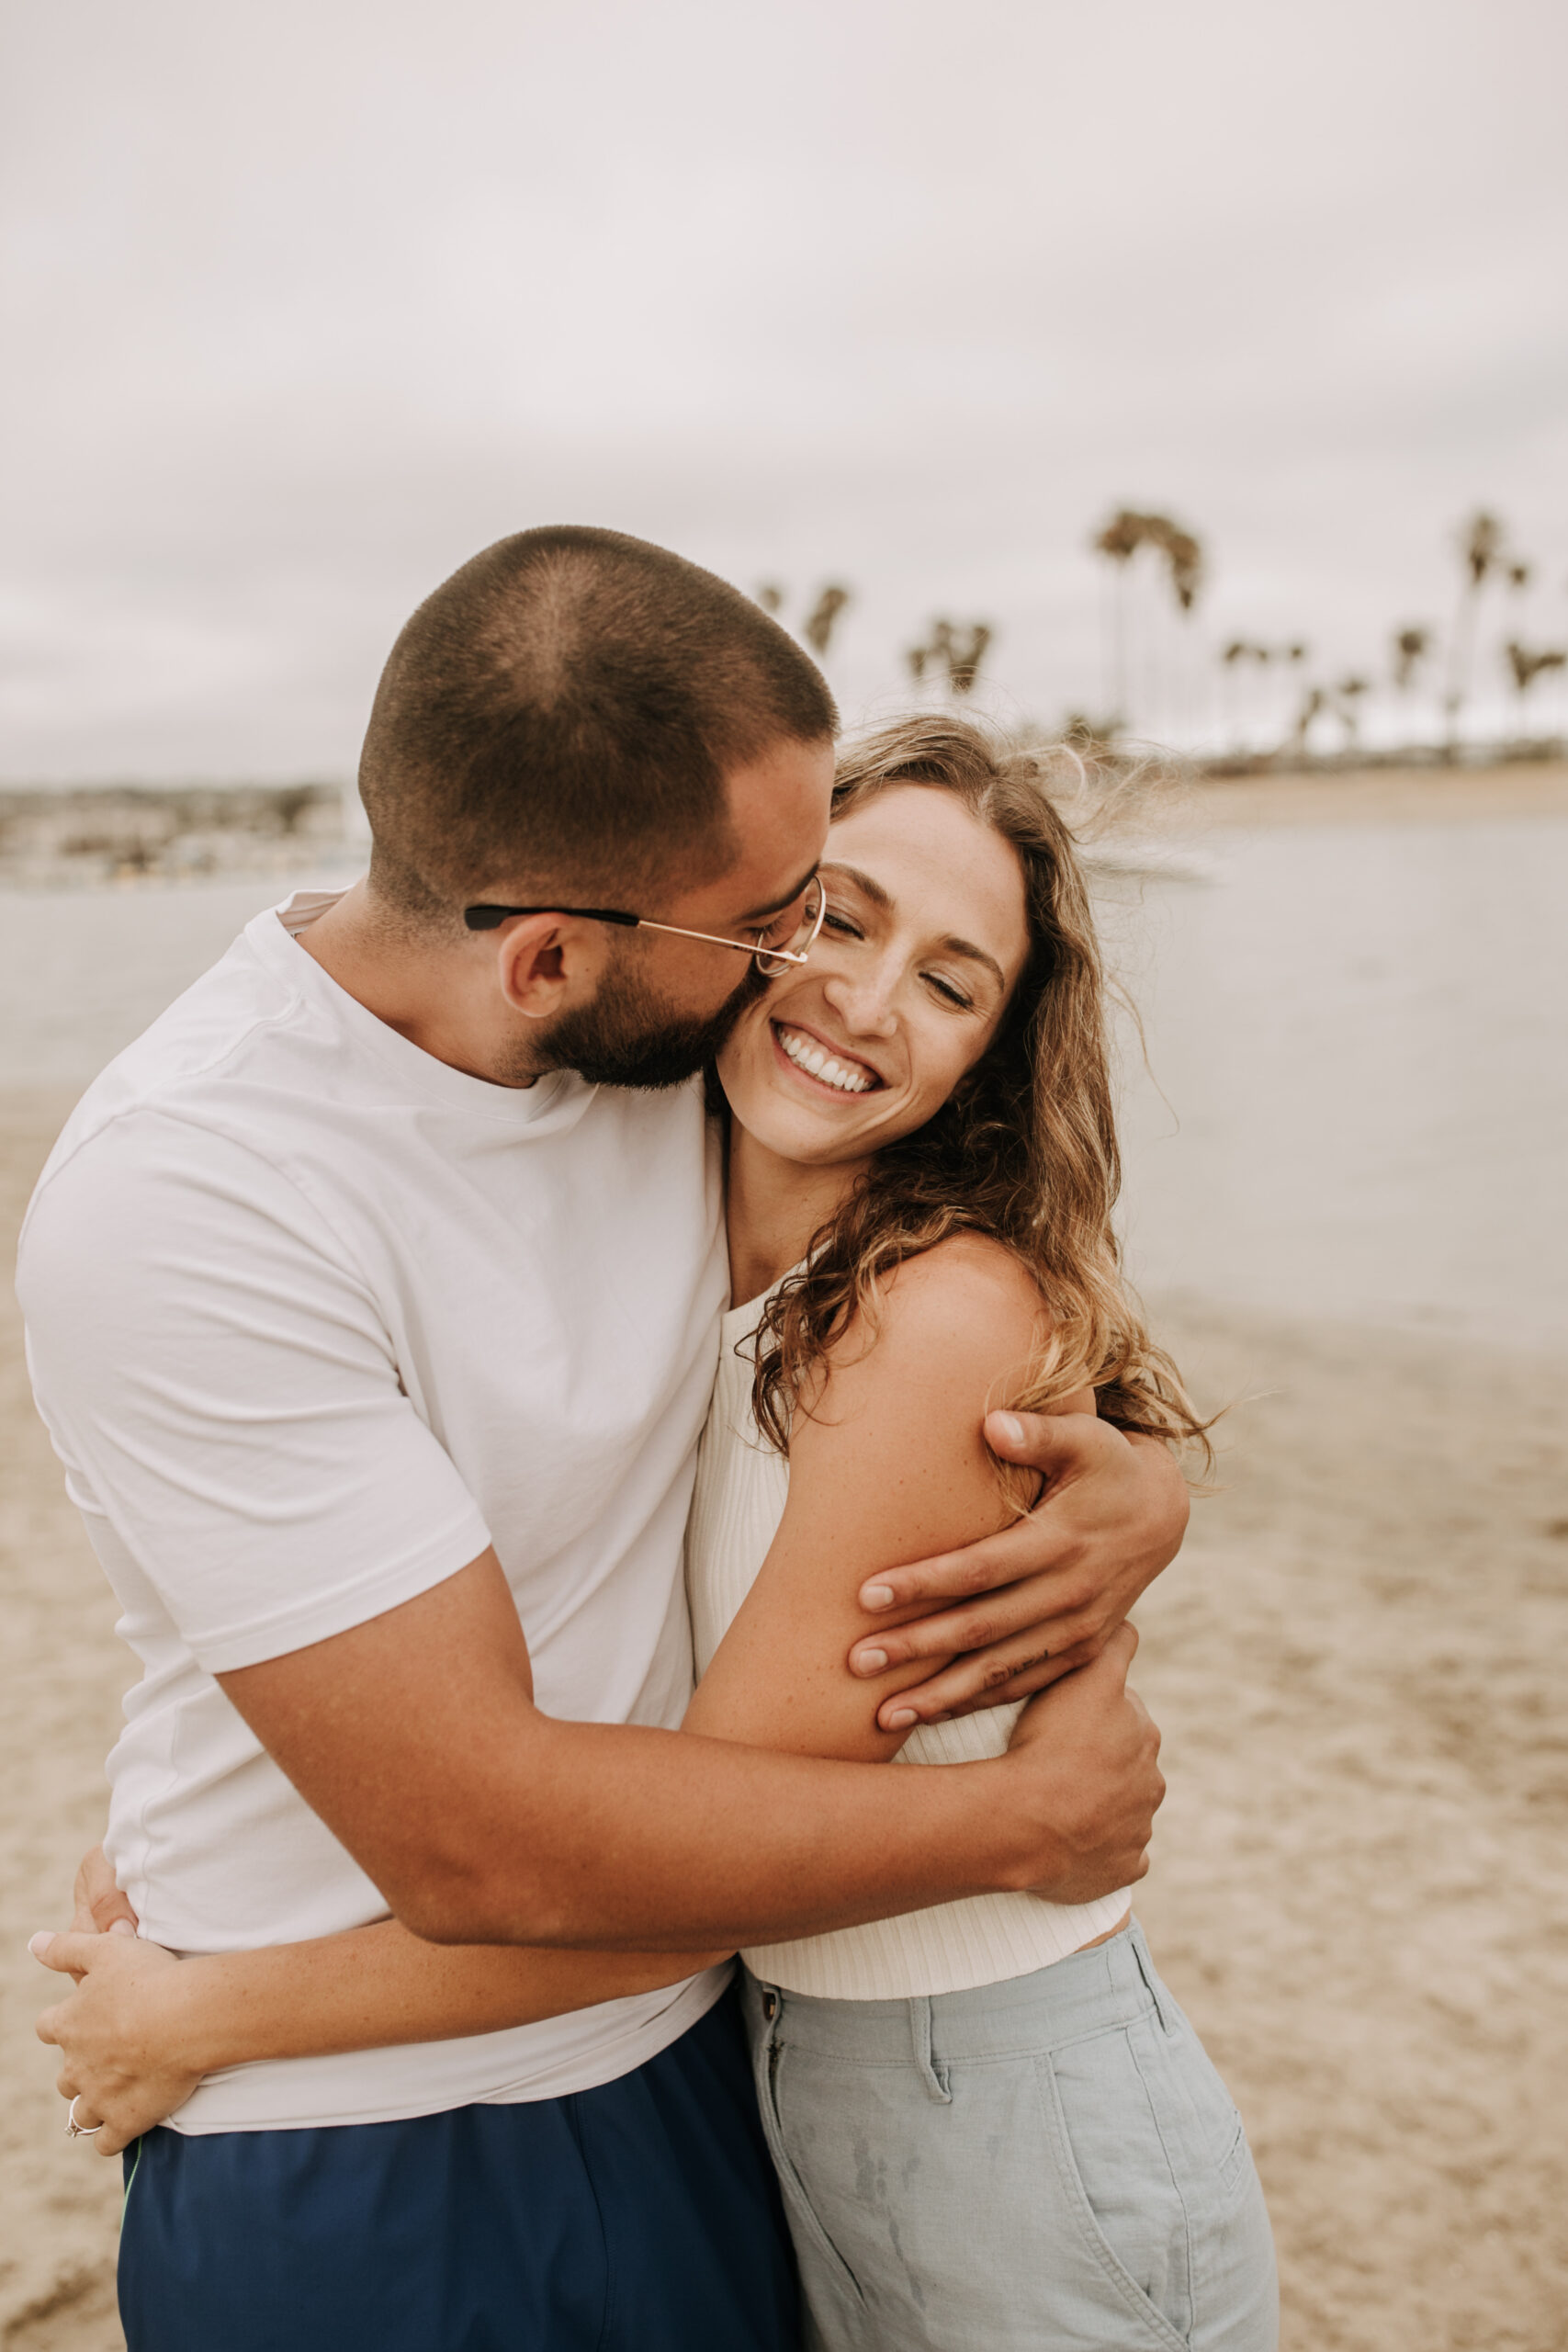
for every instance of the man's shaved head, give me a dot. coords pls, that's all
(562, 714)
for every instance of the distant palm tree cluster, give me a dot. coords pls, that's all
(1155, 561)
(1486, 560)
(949, 655)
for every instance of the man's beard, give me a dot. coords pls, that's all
(626, 1036)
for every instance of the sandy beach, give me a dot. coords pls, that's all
(1358, 1888)
(1385, 796)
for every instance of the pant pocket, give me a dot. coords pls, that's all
(824, 2271)
(1118, 2182)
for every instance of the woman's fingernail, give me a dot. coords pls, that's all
(1009, 1428)
(870, 1661)
(38, 1944)
(121, 1927)
(876, 1596)
(901, 1718)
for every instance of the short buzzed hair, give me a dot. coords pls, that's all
(565, 710)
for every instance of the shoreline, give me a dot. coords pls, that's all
(1385, 796)
(1357, 1889)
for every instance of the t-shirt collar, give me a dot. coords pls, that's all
(560, 1096)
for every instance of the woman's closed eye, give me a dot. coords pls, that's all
(844, 926)
(950, 991)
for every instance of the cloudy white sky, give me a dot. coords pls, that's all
(306, 303)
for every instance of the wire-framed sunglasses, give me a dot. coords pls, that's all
(796, 934)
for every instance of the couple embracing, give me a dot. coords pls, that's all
(589, 1247)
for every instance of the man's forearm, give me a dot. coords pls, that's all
(621, 1839)
(415, 1738)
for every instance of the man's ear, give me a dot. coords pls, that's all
(546, 962)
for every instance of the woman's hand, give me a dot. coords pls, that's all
(118, 2038)
(1046, 1595)
(98, 1905)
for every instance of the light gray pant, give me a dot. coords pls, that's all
(1051, 2163)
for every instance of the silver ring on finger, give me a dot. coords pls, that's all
(75, 2130)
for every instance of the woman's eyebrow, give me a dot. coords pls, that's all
(879, 897)
(967, 948)
(862, 882)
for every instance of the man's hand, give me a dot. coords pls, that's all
(114, 2057)
(1052, 1588)
(1093, 1754)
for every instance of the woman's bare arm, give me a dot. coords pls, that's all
(380, 1986)
(142, 2028)
(889, 1464)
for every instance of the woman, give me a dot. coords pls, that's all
(991, 2124)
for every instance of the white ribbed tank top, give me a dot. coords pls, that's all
(739, 1500)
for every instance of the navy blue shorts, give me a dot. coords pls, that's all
(640, 2217)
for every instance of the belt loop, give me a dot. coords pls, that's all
(1152, 1984)
(933, 2076)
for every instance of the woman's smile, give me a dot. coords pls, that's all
(809, 1056)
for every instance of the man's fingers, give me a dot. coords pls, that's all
(1053, 1610)
(1051, 1442)
(1119, 1650)
(1033, 1680)
(950, 1695)
(1019, 1551)
(1000, 1678)
(968, 1682)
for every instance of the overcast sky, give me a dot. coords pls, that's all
(304, 304)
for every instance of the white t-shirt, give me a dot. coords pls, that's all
(312, 1319)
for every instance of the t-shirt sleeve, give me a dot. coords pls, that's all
(221, 1386)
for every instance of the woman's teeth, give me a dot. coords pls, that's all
(809, 1056)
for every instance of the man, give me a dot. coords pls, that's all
(372, 1303)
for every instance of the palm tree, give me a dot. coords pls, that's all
(1349, 692)
(963, 660)
(1119, 541)
(817, 627)
(1312, 701)
(952, 652)
(1528, 665)
(1411, 647)
(1240, 650)
(1481, 553)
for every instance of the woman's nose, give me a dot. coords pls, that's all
(863, 1004)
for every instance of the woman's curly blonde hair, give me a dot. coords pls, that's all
(1024, 1149)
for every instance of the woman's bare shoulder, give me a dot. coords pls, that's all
(954, 1328)
(971, 1297)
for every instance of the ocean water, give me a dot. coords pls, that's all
(1360, 1036)
(1357, 1037)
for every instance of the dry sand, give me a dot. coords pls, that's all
(1385, 796)
(1358, 1890)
